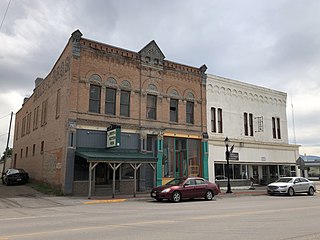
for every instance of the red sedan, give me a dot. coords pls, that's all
(182, 188)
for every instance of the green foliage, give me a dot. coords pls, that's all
(9, 153)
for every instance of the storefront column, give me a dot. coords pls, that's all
(205, 172)
(159, 161)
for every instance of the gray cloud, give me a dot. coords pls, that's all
(273, 43)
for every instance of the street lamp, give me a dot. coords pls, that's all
(227, 142)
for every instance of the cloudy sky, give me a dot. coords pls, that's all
(271, 43)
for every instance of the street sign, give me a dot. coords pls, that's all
(234, 156)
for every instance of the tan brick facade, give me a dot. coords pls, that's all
(63, 97)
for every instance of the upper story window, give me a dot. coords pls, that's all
(216, 120)
(220, 127)
(110, 107)
(44, 112)
(35, 118)
(151, 107)
(213, 120)
(174, 110)
(58, 103)
(28, 126)
(248, 124)
(125, 103)
(94, 99)
(276, 131)
(190, 112)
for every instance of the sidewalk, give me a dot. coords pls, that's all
(236, 192)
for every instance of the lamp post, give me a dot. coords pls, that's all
(227, 142)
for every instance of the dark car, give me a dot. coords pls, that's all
(182, 188)
(15, 176)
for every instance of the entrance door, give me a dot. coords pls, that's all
(255, 175)
(181, 158)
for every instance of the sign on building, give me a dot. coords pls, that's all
(113, 136)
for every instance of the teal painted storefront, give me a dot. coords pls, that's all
(181, 157)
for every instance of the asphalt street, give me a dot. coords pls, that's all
(238, 216)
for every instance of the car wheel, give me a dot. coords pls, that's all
(209, 195)
(290, 192)
(176, 197)
(311, 191)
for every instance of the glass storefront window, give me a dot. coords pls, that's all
(193, 157)
(181, 157)
(237, 171)
(168, 158)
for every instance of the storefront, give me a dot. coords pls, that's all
(183, 157)
(261, 173)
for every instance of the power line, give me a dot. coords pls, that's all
(5, 116)
(5, 14)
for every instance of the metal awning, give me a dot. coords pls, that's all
(115, 157)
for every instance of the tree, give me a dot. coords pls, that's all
(9, 153)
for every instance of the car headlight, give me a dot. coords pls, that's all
(165, 190)
(283, 186)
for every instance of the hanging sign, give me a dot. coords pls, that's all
(113, 136)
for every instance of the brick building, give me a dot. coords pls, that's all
(158, 105)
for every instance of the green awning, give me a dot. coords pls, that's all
(115, 155)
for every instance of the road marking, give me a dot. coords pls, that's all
(105, 201)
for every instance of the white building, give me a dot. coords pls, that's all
(254, 119)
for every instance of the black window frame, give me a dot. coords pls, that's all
(110, 101)
(174, 110)
(94, 101)
(190, 112)
(151, 107)
(125, 105)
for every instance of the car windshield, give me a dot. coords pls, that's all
(176, 181)
(286, 180)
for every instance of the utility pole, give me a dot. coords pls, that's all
(7, 148)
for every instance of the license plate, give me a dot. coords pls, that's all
(18, 179)
(153, 194)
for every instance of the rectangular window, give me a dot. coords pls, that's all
(251, 123)
(17, 130)
(23, 131)
(21, 153)
(151, 107)
(42, 147)
(274, 132)
(220, 120)
(27, 151)
(110, 107)
(245, 122)
(174, 110)
(150, 141)
(33, 150)
(35, 118)
(190, 112)
(278, 128)
(44, 112)
(94, 99)
(125, 103)
(213, 120)
(28, 123)
(58, 103)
